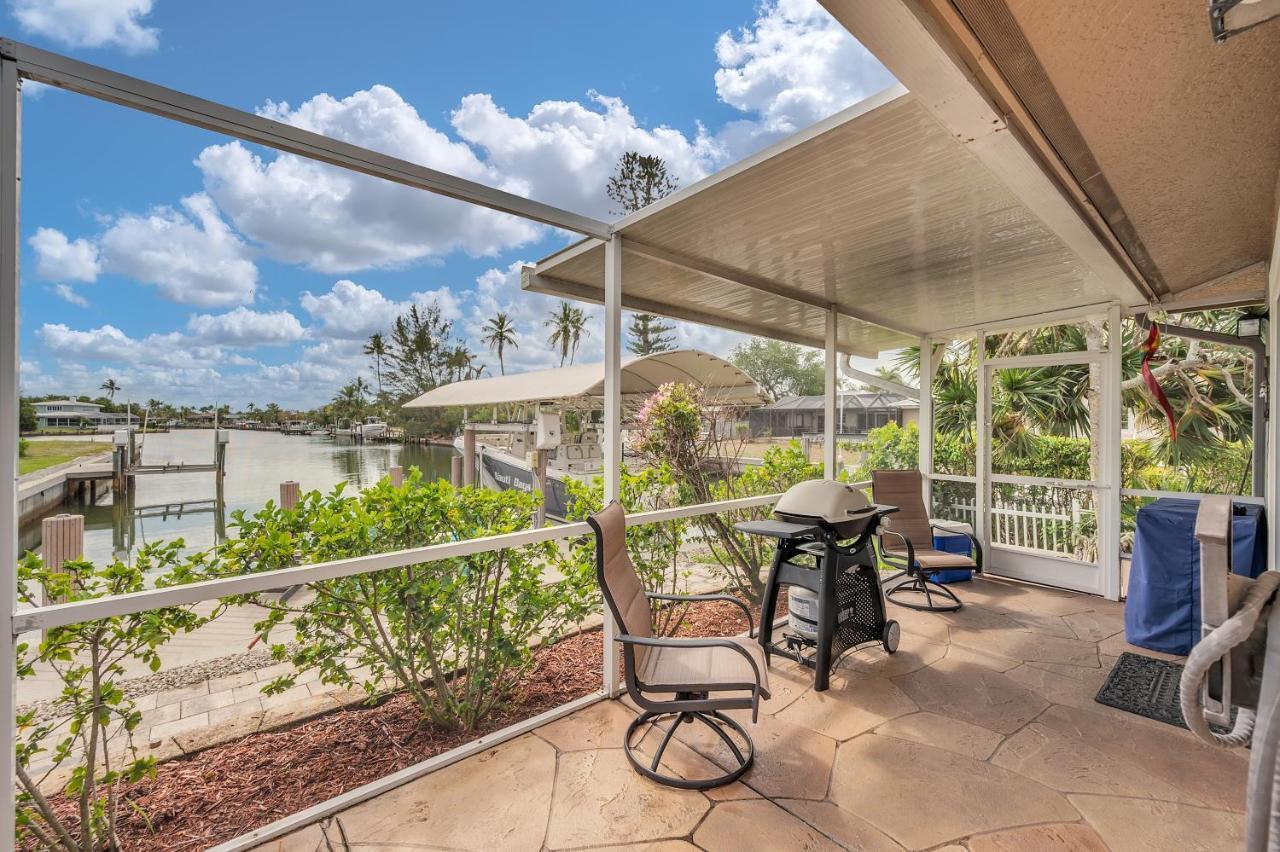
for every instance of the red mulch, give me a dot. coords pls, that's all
(227, 790)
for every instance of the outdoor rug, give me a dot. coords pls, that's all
(1145, 686)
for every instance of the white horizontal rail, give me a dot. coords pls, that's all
(1045, 481)
(1189, 495)
(75, 612)
(55, 70)
(1048, 359)
(952, 477)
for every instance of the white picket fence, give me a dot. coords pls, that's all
(1026, 524)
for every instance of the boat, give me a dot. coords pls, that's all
(544, 398)
(372, 427)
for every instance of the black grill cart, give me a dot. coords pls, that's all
(843, 579)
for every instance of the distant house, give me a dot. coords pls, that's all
(859, 413)
(73, 414)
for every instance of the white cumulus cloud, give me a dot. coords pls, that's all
(563, 152)
(67, 293)
(89, 23)
(336, 221)
(793, 66)
(245, 327)
(190, 255)
(61, 259)
(352, 311)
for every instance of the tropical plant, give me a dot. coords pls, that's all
(272, 413)
(377, 348)
(499, 333)
(676, 427)
(421, 352)
(568, 327)
(112, 387)
(90, 736)
(456, 635)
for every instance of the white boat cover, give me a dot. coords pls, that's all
(722, 381)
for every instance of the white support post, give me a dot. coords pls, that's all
(1108, 496)
(925, 420)
(982, 467)
(612, 421)
(829, 450)
(10, 184)
(1272, 489)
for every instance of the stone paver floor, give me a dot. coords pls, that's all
(980, 734)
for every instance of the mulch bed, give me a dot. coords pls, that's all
(222, 792)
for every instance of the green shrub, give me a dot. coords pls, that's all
(23, 445)
(454, 634)
(90, 659)
(654, 548)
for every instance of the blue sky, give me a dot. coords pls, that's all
(191, 267)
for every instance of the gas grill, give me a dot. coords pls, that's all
(825, 556)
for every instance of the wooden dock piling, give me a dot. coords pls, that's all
(290, 492)
(397, 476)
(61, 541)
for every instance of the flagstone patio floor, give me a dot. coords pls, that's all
(980, 734)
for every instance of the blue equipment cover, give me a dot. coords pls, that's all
(1163, 607)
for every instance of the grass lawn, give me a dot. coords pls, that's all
(42, 454)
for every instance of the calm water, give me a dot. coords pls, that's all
(166, 506)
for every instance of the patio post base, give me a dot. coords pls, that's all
(715, 720)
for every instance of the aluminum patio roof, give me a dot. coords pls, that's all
(879, 210)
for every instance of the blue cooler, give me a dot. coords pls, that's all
(953, 543)
(1162, 611)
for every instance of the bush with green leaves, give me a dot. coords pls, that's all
(89, 737)
(655, 548)
(456, 634)
(678, 427)
(743, 559)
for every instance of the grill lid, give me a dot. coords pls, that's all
(824, 499)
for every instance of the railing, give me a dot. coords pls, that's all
(45, 617)
(1035, 526)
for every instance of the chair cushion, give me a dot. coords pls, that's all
(699, 669)
(931, 559)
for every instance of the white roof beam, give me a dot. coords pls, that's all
(55, 70)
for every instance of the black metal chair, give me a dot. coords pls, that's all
(693, 669)
(910, 545)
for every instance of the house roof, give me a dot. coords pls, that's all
(850, 400)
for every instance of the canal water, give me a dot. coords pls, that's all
(183, 505)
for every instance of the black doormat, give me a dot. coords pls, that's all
(1145, 686)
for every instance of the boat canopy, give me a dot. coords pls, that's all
(722, 381)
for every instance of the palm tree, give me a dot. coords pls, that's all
(568, 327)
(500, 332)
(377, 347)
(111, 387)
(272, 413)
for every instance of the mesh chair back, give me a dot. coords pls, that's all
(619, 582)
(904, 489)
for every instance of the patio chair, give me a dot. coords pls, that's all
(906, 543)
(706, 675)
